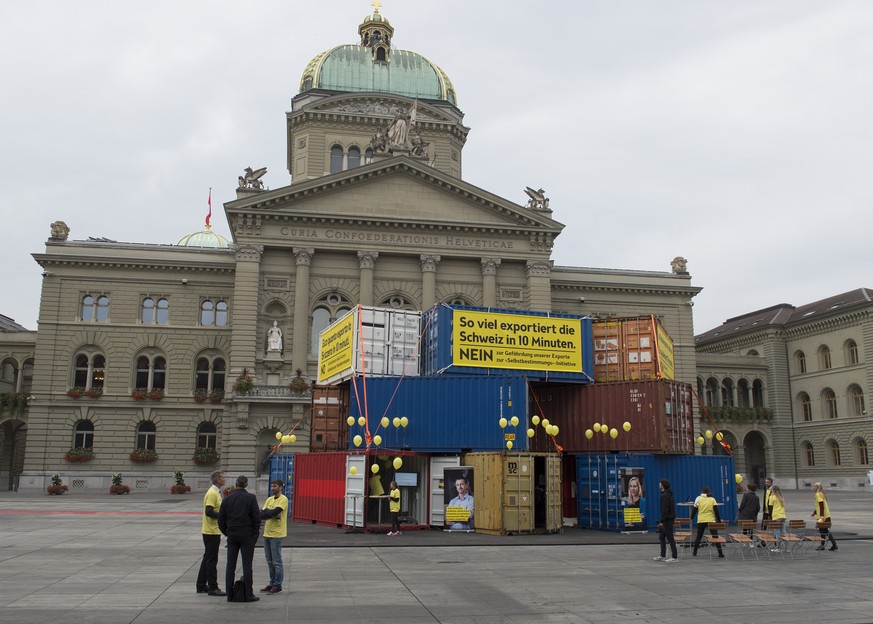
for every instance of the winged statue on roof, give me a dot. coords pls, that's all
(538, 199)
(252, 179)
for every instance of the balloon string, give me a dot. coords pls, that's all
(706, 413)
(558, 447)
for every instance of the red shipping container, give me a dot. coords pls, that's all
(320, 488)
(660, 413)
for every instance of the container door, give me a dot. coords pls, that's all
(404, 343)
(353, 515)
(374, 336)
(518, 494)
(590, 491)
(437, 500)
(282, 467)
(554, 498)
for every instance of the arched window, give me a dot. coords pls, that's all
(851, 351)
(328, 309)
(398, 302)
(83, 434)
(147, 315)
(90, 370)
(744, 396)
(861, 452)
(834, 450)
(157, 313)
(368, 155)
(151, 372)
(354, 157)
(213, 313)
(146, 432)
(95, 309)
(712, 393)
(727, 392)
(829, 399)
(211, 372)
(752, 352)
(805, 407)
(856, 401)
(207, 437)
(809, 454)
(824, 357)
(757, 393)
(800, 362)
(336, 159)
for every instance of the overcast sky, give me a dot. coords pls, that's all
(736, 134)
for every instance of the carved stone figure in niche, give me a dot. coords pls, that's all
(274, 338)
(60, 231)
(419, 147)
(379, 142)
(252, 179)
(679, 265)
(538, 199)
(398, 131)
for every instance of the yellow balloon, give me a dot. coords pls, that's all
(700, 440)
(286, 439)
(596, 427)
(502, 422)
(589, 434)
(535, 420)
(293, 438)
(708, 434)
(362, 421)
(531, 433)
(739, 478)
(278, 435)
(719, 436)
(613, 433)
(626, 426)
(374, 468)
(350, 420)
(404, 421)
(396, 421)
(353, 470)
(385, 421)
(554, 430)
(514, 421)
(377, 440)
(509, 444)
(604, 429)
(357, 440)
(397, 463)
(546, 422)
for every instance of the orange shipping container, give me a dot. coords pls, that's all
(330, 408)
(631, 349)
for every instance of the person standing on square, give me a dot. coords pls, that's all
(274, 513)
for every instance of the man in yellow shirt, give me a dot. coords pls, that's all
(275, 516)
(207, 578)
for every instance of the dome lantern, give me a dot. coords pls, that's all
(376, 33)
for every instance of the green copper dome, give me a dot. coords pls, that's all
(206, 238)
(375, 67)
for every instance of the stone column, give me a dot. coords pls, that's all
(735, 394)
(489, 281)
(300, 344)
(367, 262)
(244, 312)
(539, 285)
(428, 280)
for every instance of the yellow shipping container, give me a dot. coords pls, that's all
(516, 492)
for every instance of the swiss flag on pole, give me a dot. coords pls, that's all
(209, 201)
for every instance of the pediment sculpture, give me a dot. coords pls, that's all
(252, 179)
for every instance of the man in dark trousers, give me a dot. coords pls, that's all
(239, 518)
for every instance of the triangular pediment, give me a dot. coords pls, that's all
(396, 191)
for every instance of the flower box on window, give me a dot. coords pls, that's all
(155, 394)
(200, 394)
(205, 456)
(139, 394)
(143, 456)
(216, 396)
(79, 455)
(75, 393)
(94, 393)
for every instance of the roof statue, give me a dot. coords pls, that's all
(60, 231)
(679, 265)
(252, 179)
(538, 199)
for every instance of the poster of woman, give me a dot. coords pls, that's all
(633, 498)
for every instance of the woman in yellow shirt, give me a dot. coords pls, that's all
(706, 510)
(824, 517)
(777, 513)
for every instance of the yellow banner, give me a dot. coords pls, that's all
(665, 353)
(515, 341)
(336, 350)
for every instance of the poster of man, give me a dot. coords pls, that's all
(633, 498)
(458, 496)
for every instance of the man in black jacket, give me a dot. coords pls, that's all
(239, 518)
(665, 523)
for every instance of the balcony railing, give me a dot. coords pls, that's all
(740, 414)
(272, 392)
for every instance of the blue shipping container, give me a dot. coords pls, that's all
(446, 414)
(545, 344)
(282, 467)
(603, 484)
